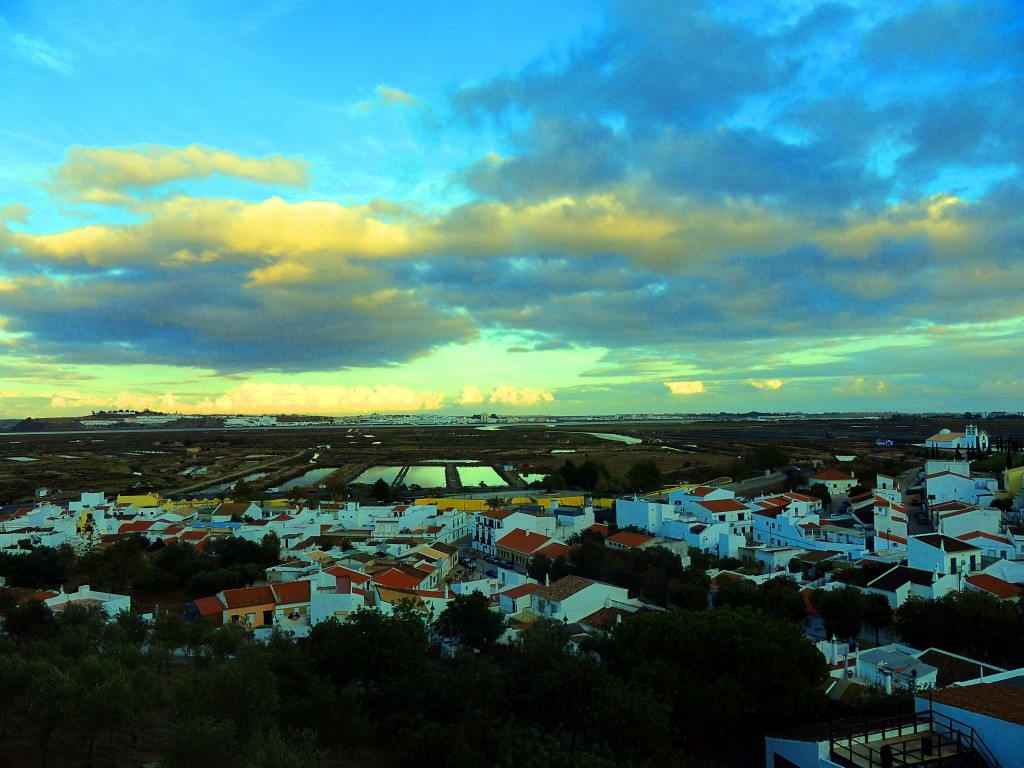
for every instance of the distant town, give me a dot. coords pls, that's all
(792, 605)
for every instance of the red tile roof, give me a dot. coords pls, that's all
(983, 535)
(948, 543)
(701, 490)
(831, 474)
(523, 542)
(629, 539)
(209, 606)
(554, 550)
(340, 571)
(997, 700)
(291, 592)
(723, 505)
(1004, 590)
(396, 578)
(139, 526)
(246, 597)
(521, 591)
(497, 514)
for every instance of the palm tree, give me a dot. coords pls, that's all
(495, 502)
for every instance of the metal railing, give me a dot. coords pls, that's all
(939, 733)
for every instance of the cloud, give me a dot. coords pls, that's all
(385, 96)
(10, 393)
(107, 175)
(517, 396)
(34, 50)
(766, 384)
(470, 395)
(686, 387)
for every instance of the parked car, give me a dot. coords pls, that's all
(470, 563)
(492, 573)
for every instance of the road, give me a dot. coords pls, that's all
(751, 485)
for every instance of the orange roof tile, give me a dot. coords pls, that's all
(630, 539)
(246, 597)
(523, 542)
(291, 592)
(1004, 590)
(831, 474)
(521, 591)
(396, 578)
(723, 505)
(209, 606)
(997, 700)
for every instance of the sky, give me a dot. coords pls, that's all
(521, 208)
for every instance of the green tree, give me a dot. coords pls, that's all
(720, 672)
(768, 456)
(381, 490)
(643, 476)
(494, 502)
(842, 609)
(471, 614)
(539, 568)
(820, 490)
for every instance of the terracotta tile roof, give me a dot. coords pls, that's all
(701, 490)
(523, 542)
(996, 700)
(899, 575)
(948, 543)
(800, 496)
(396, 578)
(291, 592)
(807, 594)
(1004, 590)
(246, 597)
(891, 537)
(723, 505)
(195, 535)
(497, 514)
(953, 668)
(951, 505)
(444, 549)
(601, 528)
(395, 595)
(139, 526)
(983, 535)
(604, 619)
(348, 573)
(554, 550)
(629, 539)
(831, 474)
(209, 606)
(567, 586)
(521, 591)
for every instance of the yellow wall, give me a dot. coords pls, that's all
(1013, 480)
(480, 505)
(145, 500)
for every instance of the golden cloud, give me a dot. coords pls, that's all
(766, 383)
(507, 395)
(686, 387)
(102, 174)
(470, 395)
(386, 96)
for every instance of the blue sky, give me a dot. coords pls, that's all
(561, 208)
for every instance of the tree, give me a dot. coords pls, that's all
(644, 476)
(381, 490)
(820, 490)
(722, 671)
(540, 566)
(494, 502)
(768, 456)
(472, 616)
(842, 609)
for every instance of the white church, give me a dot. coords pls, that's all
(972, 437)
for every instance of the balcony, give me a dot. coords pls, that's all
(919, 739)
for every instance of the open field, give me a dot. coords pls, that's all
(175, 462)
